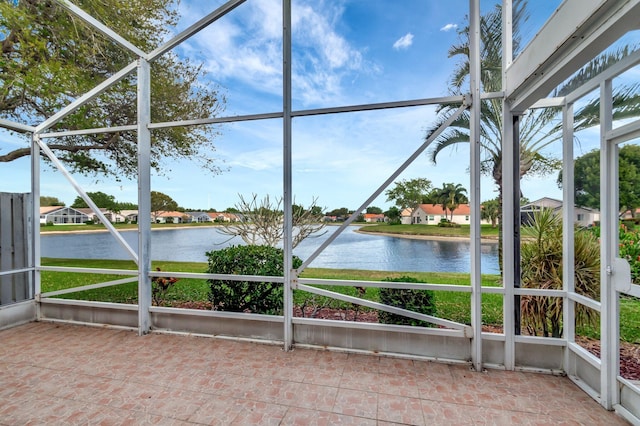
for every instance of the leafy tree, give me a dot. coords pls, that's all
(161, 203)
(340, 212)
(450, 196)
(374, 210)
(101, 200)
(50, 201)
(409, 193)
(263, 222)
(587, 178)
(490, 211)
(49, 58)
(127, 206)
(393, 214)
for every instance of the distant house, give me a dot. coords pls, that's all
(59, 215)
(330, 219)
(628, 214)
(224, 217)
(583, 216)
(172, 217)
(199, 217)
(432, 214)
(374, 217)
(405, 216)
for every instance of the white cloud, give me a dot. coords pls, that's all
(449, 27)
(403, 42)
(246, 47)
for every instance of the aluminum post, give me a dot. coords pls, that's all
(507, 198)
(568, 244)
(474, 139)
(144, 196)
(35, 221)
(610, 361)
(286, 166)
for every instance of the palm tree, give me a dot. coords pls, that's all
(450, 196)
(537, 128)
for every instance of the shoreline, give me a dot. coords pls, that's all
(429, 237)
(385, 234)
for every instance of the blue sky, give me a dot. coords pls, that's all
(345, 52)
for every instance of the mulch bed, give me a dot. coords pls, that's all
(629, 353)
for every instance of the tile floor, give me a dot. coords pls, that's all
(54, 374)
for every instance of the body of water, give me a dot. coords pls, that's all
(351, 250)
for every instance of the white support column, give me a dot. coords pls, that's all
(287, 185)
(144, 196)
(35, 221)
(568, 241)
(609, 208)
(507, 198)
(474, 127)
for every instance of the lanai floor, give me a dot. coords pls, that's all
(54, 374)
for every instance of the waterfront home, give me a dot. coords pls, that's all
(374, 217)
(199, 217)
(60, 215)
(583, 216)
(432, 214)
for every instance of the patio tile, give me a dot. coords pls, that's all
(356, 403)
(62, 374)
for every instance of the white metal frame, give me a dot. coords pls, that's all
(571, 37)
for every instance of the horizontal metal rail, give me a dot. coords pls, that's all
(18, 127)
(399, 311)
(586, 301)
(624, 133)
(89, 287)
(584, 354)
(128, 128)
(539, 292)
(634, 291)
(380, 327)
(205, 276)
(17, 271)
(540, 340)
(386, 284)
(87, 270)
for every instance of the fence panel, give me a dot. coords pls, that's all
(14, 247)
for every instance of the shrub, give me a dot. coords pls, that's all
(421, 301)
(247, 296)
(542, 268)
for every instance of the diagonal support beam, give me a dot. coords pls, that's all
(194, 29)
(386, 183)
(87, 97)
(43, 146)
(84, 16)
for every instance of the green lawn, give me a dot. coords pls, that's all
(453, 306)
(486, 231)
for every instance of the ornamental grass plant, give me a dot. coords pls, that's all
(541, 255)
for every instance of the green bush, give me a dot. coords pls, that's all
(247, 296)
(541, 259)
(421, 301)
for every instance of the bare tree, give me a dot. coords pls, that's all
(262, 221)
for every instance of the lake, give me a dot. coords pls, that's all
(350, 250)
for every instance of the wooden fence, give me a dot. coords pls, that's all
(15, 211)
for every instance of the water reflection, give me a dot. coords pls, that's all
(350, 250)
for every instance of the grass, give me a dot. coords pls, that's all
(454, 306)
(486, 231)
